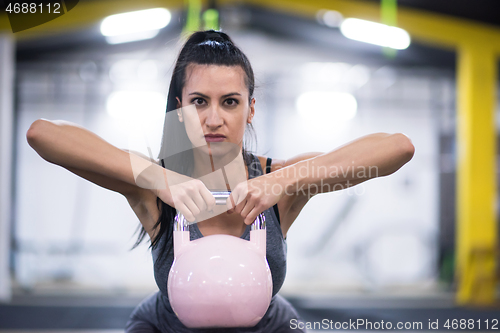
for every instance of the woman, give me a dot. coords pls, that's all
(212, 92)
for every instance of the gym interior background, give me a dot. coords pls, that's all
(419, 245)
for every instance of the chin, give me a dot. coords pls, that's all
(223, 151)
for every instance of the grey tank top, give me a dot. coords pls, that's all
(276, 246)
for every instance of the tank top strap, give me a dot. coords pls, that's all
(257, 168)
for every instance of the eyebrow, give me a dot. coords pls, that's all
(203, 95)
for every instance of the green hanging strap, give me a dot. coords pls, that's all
(389, 16)
(193, 16)
(211, 19)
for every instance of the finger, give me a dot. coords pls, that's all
(238, 194)
(239, 207)
(250, 218)
(208, 197)
(185, 211)
(247, 209)
(231, 201)
(193, 208)
(199, 201)
(240, 200)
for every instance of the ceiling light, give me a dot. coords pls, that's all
(132, 37)
(142, 24)
(375, 33)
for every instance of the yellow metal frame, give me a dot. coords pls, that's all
(478, 49)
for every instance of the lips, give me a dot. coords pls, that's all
(214, 137)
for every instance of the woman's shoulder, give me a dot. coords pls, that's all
(276, 163)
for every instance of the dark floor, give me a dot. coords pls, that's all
(109, 314)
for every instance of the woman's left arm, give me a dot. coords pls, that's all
(370, 156)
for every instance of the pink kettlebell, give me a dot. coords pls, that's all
(220, 280)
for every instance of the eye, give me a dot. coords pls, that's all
(232, 102)
(197, 101)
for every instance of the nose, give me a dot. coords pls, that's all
(214, 118)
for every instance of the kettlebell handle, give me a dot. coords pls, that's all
(181, 224)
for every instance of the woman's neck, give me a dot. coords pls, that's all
(222, 172)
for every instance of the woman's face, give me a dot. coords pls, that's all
(215, 97)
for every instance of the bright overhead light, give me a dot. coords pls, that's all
(327, 106)
(142, 24)
(375, 33)
(132, 37)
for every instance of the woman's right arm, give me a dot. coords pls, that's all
(89, 156)
(85, 154)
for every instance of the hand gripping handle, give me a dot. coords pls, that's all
(181, 224)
